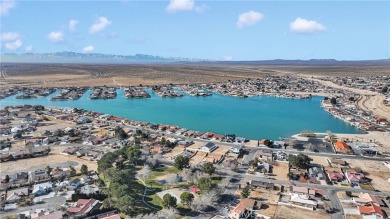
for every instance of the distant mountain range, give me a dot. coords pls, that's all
(92, 58)
(98, 58)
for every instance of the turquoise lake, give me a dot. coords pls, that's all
(253, 118)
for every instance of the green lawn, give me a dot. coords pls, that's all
(154, 200)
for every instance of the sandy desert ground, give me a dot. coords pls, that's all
(53, 158)
(297, 213)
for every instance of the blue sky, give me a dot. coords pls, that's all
(218, 30)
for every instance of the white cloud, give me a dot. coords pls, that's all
(29, 48)
(301, 25)
(6, 6)
(14, 44)
(227, 58)
(201, 8)
(249, 18)
(72, 25)
(88, 49)
(99, 25)
(56, 36)
(180, 5)
(9, 36)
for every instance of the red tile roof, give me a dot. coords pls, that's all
(370, 209)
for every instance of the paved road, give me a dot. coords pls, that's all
(50, 203)
(336, 204)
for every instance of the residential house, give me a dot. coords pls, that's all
(209, 147)
(83, 206)
(244, 209)
(74, 184)
(303, 200)
(371, 209)
(281, 156)
(366, 198)
(38, 175)
(263, 185)
(354, 177)
(317, 173)
(89, 189)
(342, 147)
(19, 178)
(194, 189)
(113, 216)
(42, 188)
(335, 177)
(265, 154)
(47, 215)
(16, 195)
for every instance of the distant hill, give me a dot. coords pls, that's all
(311, 62)
(98, 58)
(92, 58)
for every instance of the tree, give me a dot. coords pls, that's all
(72, 171)
(245, 192)
(268, 143)
(181, 162)
(125, 204)
(48, 170)
(348, 193)
(132, 153)
(144, 172)
(7, 178)
(84, 169)
(106, 161)
(300, 160)
(169, 201)
(205, 183)
(187, 198)
(385, 89)
(120, 133)
(333, 100)
(253, 163)
(264, 171)
(208, 168)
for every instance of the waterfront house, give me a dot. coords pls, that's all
(342, 147)
(209, 147)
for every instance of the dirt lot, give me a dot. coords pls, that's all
(53, 158)
(280, 170)
(195, 160)
(270, 197)
(268, 210)
(59, 75)
(319, 160)
(298, 213)
(376, 171)
(195, 146)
